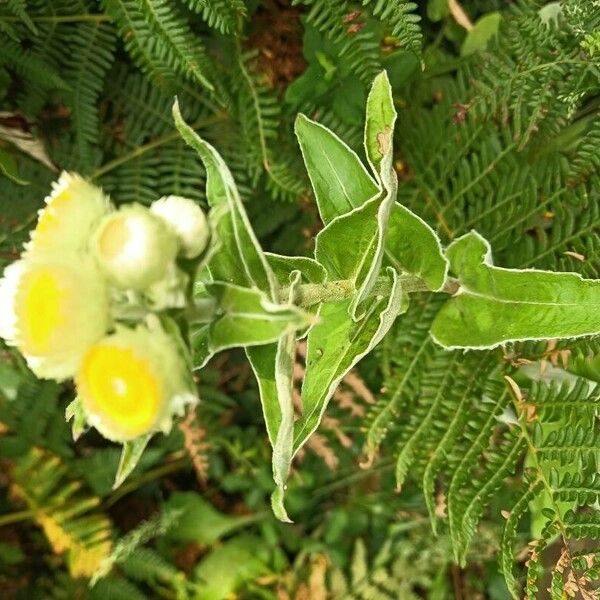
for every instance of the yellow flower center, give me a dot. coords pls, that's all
(120, 388)
(49, 217)
(114, 238)
(42, 310)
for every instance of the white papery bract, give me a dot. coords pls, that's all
(134, 247)
(65, 225)
(188, 222)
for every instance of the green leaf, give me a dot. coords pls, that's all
(437, 10)
(413, 247)
(240, 259)
(479, 37)
(379, 137)
(10, 381)
(283, 266)
(379, 127)
(339, 179)
(350, 247)
(348, 243)
(8, 167)
(199, 522)
(274, 369)
(342, 184)
(496, 305)
(335, 344)
(226, 568)
(76, 412)
(130, 456)
(246, 317)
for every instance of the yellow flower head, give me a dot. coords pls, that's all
(188, 222)
(134, 247)
(53, 311)
(65, 225)
(132, 382)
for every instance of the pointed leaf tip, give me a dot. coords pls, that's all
(130, 456)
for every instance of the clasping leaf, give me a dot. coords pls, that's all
(496, 305)
(239, 259)
(335, 344)
(245, 317)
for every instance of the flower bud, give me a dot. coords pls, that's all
(188, 222)
(134, 247)
(53, 311)
(72, 212)
(133, 381)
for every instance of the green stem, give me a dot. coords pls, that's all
(159, 141)
(310, 294)
(203, 311)
(156, 473)
(59, 18)
(15, 517)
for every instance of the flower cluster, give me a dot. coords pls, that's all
(64, 303)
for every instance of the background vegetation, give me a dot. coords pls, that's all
(498, 130)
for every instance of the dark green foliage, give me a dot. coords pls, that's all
(506, 142)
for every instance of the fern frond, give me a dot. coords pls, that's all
(223, 15)
(571, 445)
(532, 59)
(30, 66)
(147, 566)
(126, 546)
(258, 115)
(434, 389)
(116, 588)
(557, 401)
(160, 41)
(413, 335)
(585, 161)
(19, 9)
(69, 517)
(583, 525)
(469, 475)
(136, 180)
(360, 48)
(513, 518)
(466, 387)
(552, 456)
(33, 420)
(399, 16)
(91, 48)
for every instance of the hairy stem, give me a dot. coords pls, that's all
(310, 294)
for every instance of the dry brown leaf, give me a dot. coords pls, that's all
(354, 381)
(459, 15)
(195, 443)
(316, 583)
(576, 255)
(345, 400)
(515, 388)
(25, 142)
(319, 445)
(334, 425)
(440, 505)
